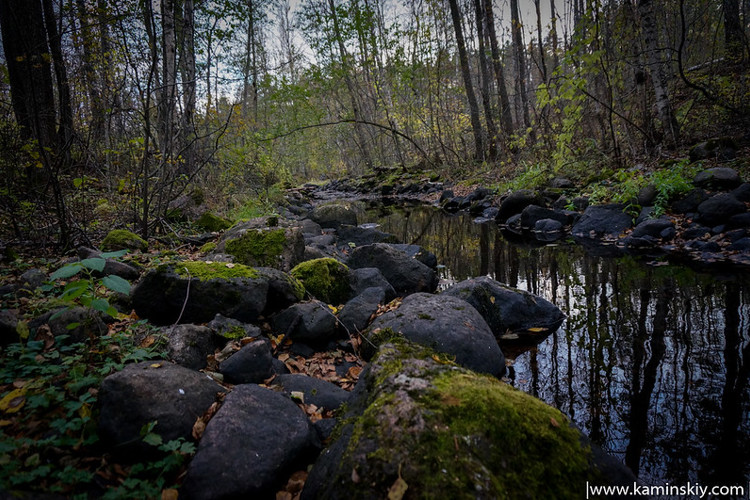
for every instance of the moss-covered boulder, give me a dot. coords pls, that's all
(333, 215)
(255, 243)
(211, 222)
(426, 428)
(122, 239)
(204, 288)
(325, 279)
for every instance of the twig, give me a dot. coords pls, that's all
(187, 296)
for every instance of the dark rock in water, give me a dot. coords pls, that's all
(8, 324)
(406, 274)
(514, 224)
(307, 322)
(719, 208)
(249, 447)
(703, 246)
(696, 231)
(636, 243)
(689, 203)
(490, 213)
(534, 213)
(721, 148)
(668, 234)
(236, 291)
(561, 183)
(360, 236)
(516, 202)
(478, 207)
(444, 323)
(315, 391)
(736, 234)
(602, 221)
(446, 195)
(370, 277)
(231, 329)
(333, 215)
(645, 214)
(478, 194)
(548, 230)
(188, 345)
(250, 365)
(742, 193)
(141, 393)
(446, 432)
(651, 227)
(741, 245)
(647, 195)
(454, 204)
(511, 314)
(419, 253)
(355, 316)
(88, 324)
(721, 178)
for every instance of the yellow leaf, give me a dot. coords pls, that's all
(169, 494)
(13, 401)
(148, 341)
(398, 488)
(492, 299)
(537, 329)
(84, 411)
(155, 365)
(4, 423)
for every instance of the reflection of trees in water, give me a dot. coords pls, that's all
(653, 363)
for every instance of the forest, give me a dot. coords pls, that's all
(202, 200)
(112, 110)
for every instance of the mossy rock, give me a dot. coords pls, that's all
(440, 431)
(208, 247)
(211, 222)
(122, 239)
(203, 271)
(325, 279)
(255, 244)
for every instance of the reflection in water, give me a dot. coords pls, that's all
(652, 362)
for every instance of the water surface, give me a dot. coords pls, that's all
(653, 361)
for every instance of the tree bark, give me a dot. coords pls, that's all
(542, 63)
(658, 74)
(734, 37)
(65, 130)
(169, 80)
(466, 73)
(506, 117)
(553, 34)
(520, 63)
(485, 74)
(188, 75)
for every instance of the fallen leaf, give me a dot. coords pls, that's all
(554, 422)
(155, 365)
(230, 265)
(398, 488)
(13, 401)
(298, 396)
(492, 299)
(169, 494)
(148, 342)
(353, 372)
(355, 476)
(537, 329)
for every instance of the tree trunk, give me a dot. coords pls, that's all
(485, 74)
(65, 131)
(733, 34)
(169, 80)
(553, 34)
(90, 77)
(542, 63)
(187, 73)
(466, 73)
(656, 69)
(29, 68)
(520, 63)
(506, 117)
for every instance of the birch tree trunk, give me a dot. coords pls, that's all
(506, 117)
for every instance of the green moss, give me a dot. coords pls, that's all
(325, 279)
(425, 316)
(211, 222)
(234, 333)
(463, 436)
(213, 270)
(122, 239)
(258, 247)
(208, 247)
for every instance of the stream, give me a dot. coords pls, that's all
(653, 361)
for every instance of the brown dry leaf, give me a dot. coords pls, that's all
(44, 334)
(355, 476)
(19, 383)
(148, 342)
(554, 422)
(353, 372)
(284, 495)
(246, 340)
(492, 299)
(296, 482)
(169, 494)
(398, 488)
(199, 427)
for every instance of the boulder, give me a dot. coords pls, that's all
(652, 227)
(406, 274)
(249, 447)
(362, 235)
(534, 213)
(742, 193)
(689, 203)
(433, 430)
(333, 215)
(548, 230)
(189, 345)
(111, 266)
(719, 208)
(283, 289)
(307, 322)
(602, 221)
(419, 253)
(718, 178)
(256, 243)
(445, 323)
(250, 365)
(647, 195)
(370, 277)
(82, 324)
(355, 316)
(232, 290)
(32, 279)
(720, 148)
(122, 239)
(510, 313)
(171, 395)
(321, 393)
(514, 203)
(213, 223)
(231, 329)
(325, 279)
(8, 325)
(561, 183)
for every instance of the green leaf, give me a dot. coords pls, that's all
(22, 329)
(94, 263)
(113, 255)
(100, 305)
(116, 284)
(67, 271)
(72, 326)
(152, 439)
